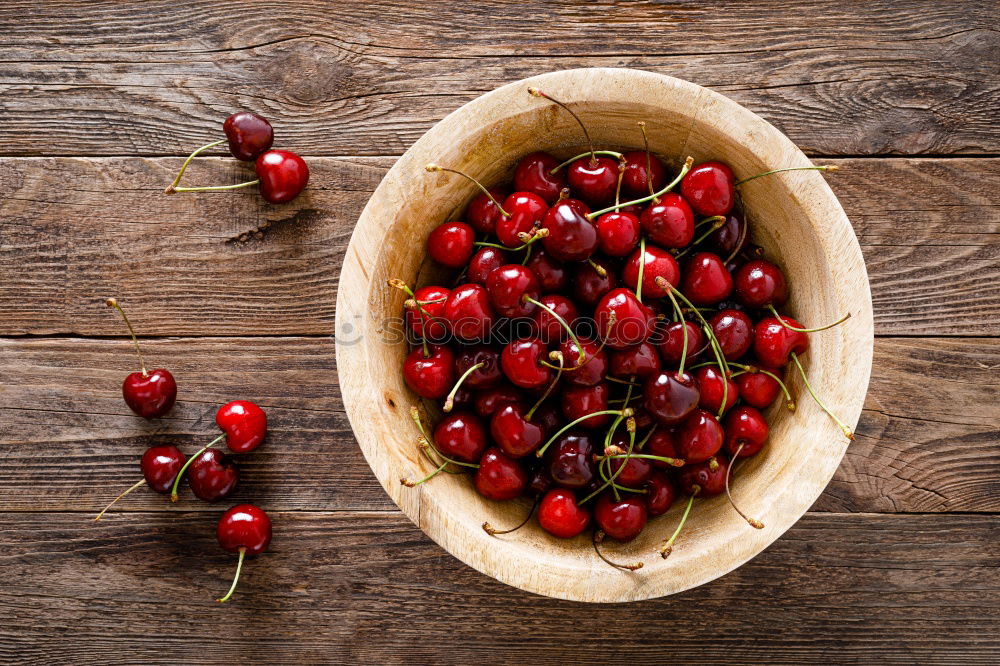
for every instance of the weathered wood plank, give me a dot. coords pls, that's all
(369, 587)
(912, 77)
(69, 443)
(75, 230)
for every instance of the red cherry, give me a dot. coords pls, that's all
(469, 313)
(572, 236)
(430, 377)
(622, 520)
(570, 460)
(561, 515)
(589, 284)
(150, 394)
(521, 363)
(540, 482)
(547, 327)
(450, 244)
(672, 343)
(547, 415)
(487, 375)
(760, 283)
(639, 361)
(660, 493)
(578, 401)
(595, 363)
(462, 436)
(710, 189)
(514, 433)
(670, 396)
(773, 344)
(661, 443)
(483, 262)
(734, 331)
(526, 211)
(706, 280)
(746, 428)
(710, 387)
(159, 465)
(699, 437)
(635, 181)
(249, 135)
(552, 275)
(427, 321)
(534, 174)
(595, 178)
(487, 402)
(246, 529)
(732, 237)
(656, 263)
(244, 423)
(758, 389)
(212, 475)
(508, 286)
(633, 321)
(499, 477)
(282, 174)
(670, 222)
(482, 213)
(709, 481)
(617, 233)
(636, 471)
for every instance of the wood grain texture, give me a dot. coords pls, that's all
(919, 446)
(913, 77)
(74, 230)
(370, 588)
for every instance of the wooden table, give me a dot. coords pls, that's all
(898, 560)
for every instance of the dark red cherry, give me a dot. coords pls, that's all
(548, 328)
(623, 519)
(578, 401)
(710, 189)
(534, 174)
(760, 283)
(430, 377)
(549, 417)
(450, 244)
(245, 529)
(773, 344)
(540, 482)
(482, 214)
(672, 342)
(469, 313)
(643, 420)
(708, 478)
(570, 459)
(212, 476)
(428, 320)
(526, 211)
(248, 134)
(283, 175)
(635, 181)
(487, 402)
(485, 261)
(636, 471)
(589, 285)
(572, 236)
(462, 436)
(244, 423)
(499, 477)
(734, 331)
(486, 375)
(661, 443)
(521, 363)
(706, 280)
(633, 321)
(508, 286)
(617, 233)
(595, 362)
(699, 437)
(639, 361)
(561, 515)
(670, 222)
(656, 263)
(595, 179)
(160, 465)
(710, 387)
(670, 396)
(552, 275)
(745, 427)
(660, 493)
(513, 433)
(731, 237)
(758, 389)
(150, 394)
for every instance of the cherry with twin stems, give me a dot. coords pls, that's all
(243, 529)
(148, 394)
(159, 465)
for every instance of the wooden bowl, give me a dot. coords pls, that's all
(795, 217)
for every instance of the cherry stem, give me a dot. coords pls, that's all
(113, 303)
(790, 403)
(645, 439)
(615, 412)
(489, 529)
(642, 268)
(527, 240)
(753, 521)
(531, 412)
(600, 270)
(187, 463)
(805, 330)
(425, 448)
(710, 220)
(739, 243)
(538, 93)
(592, 153)
(684, 331)
(411, 484)
(829, 167)
(415, 415)
(435, 168)
(716, 348)
(236, 579)
(805, 380)
(716, 225)
(618, 186)
(673, 462)
(599, 538)
(668, 545)
(214, 188)
(427, 317)
(564, 324)
(172, 187)
(449, 402)
(649, 159)
(621, 381)
(137, 484)
(669, 186)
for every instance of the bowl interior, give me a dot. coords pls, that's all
(794, 216)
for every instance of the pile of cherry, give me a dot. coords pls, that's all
(601, 354)
(212, 476)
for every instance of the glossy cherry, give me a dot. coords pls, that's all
(590, 284)
(244, 423)
(521, 361)
(734, 331)
(578, 401)
(561, 515)
(706, 280)
(248, 134)
(660, 493)
(635, 181)
(623, 519)
(546, 326)
(774, 344)
(617, 233)
(488, 401)
(525, 212)
(710, 189)
(499, 476)
(148, 394)
(572, 235)
(461, 436)
(634, 471)
(283, 175)
(632, 323)
(469, 313)
(656, 263)
(594, 178)
(483, 262)
(212, 475)
(710, 388)
(482, 213)
(730, 239)
(508, 287)
(451, 244)
(708, 478)
(758, 389)
(699, 437)
(760, 283)
(670, 396)
(424, 313)
(661, 443)
(553, 276)
(669, 222)
(514, 433)
(534, 174)
(488, 373)
(639, 361)
(159, 465)
(595, 363)
(431, 376)
(671, 343)
(244, 529)
(746, 428)
(570, 460)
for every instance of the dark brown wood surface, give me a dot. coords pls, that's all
(898, 560)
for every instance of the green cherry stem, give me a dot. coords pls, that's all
(805, 330)
(556, 355)
(138, 483)
(187, 463)
(535, 92)
(684, 330)
(449, 402)
(642, 268)
(805, 380)
(236, 578)
(613, 412)
(829, 167)
(113, 303)
(645, 439)
(415, 415)
(753, 521)
(527, 240)
(669, 186)
(594, 154)
(751, 369)
(171, 188)
(649, 159)
(434, 168)
(719, 221)
(563, 323)
(668, 545)
(673, 462)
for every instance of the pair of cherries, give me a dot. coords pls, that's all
(281, 174)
